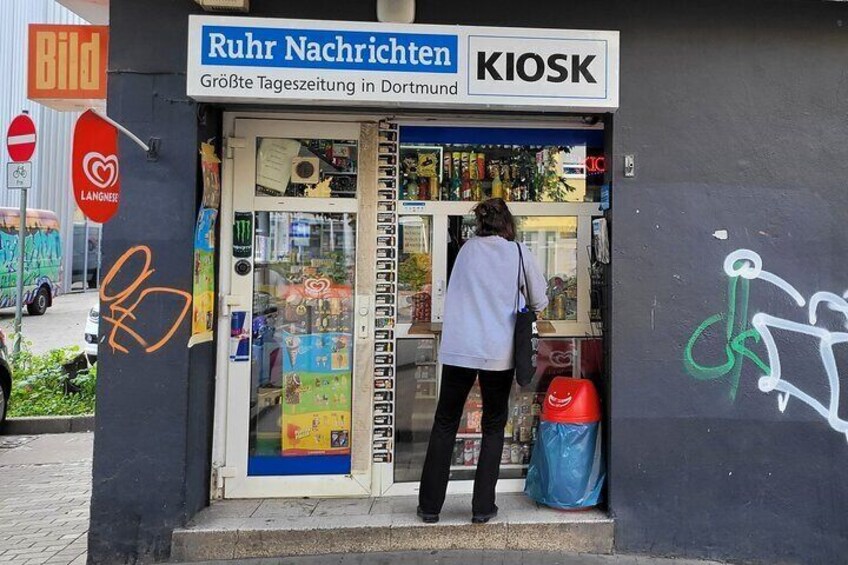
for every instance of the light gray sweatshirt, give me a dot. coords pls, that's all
(479, 320)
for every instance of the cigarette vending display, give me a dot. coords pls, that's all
(552, 182)
(384, 299)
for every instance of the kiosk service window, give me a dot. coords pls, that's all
(550, 179)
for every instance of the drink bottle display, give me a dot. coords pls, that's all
(473, 172)
(410, 180)
(497, 185)
(466, 177)
(506, 182)
(412, 188)
(434, 188)
(519, 188)
(423, 188)
(446, 176)
(479, 167)
(472, 176)
(456, 179)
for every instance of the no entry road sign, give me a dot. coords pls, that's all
(20, 139)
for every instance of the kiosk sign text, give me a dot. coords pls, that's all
(274, 61)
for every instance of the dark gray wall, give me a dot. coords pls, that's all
(736, 113)
(154, 411)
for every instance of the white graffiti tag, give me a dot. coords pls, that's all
(748, 264)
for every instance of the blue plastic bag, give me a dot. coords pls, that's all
(566, 469)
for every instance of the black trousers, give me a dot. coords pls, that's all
(495, 387)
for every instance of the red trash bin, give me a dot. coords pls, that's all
(566, 469)
(571, 401)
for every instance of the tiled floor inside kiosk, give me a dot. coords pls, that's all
(281, 527)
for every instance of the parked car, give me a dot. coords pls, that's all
(43, 261)
(92, 324)
(5, 380)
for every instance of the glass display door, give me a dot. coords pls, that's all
(297, 326)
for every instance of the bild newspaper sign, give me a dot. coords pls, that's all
(356, 63)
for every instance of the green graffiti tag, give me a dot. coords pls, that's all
(736, 335)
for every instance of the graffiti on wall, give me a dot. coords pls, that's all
(739, 335)
(124, 305)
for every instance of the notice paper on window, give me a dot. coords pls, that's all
(274, 163)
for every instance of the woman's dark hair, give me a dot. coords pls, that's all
(494, 218)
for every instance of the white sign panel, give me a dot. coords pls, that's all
(19, 175)
(275, 60)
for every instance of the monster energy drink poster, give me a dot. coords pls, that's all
(242, 234)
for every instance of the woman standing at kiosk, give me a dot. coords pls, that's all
(477, 339)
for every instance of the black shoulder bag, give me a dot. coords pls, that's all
(526, 339)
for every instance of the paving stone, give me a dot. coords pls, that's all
(44, 500)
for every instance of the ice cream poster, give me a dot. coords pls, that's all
(203, 290)
(316, 394)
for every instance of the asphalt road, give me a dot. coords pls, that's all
(61, 326)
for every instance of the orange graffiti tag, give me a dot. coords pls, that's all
(122, 308)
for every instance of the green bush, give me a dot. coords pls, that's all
(38, 385)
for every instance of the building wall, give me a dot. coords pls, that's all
(52, 161)
(152, 444)
(735, 112)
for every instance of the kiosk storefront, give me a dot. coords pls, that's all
(345, 202)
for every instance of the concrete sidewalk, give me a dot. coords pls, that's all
(289, 527)
(44, 509)
(44, 498)
(464, 558)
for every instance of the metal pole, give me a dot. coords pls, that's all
(121, 128)
(19, 304)
(85, 256)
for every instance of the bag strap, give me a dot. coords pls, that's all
(521, 270)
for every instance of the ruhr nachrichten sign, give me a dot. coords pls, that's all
(275, 60)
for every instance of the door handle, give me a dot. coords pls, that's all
(363, 318)
(438, 301)
(228, 301)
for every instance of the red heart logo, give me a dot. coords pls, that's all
(316, 288)
(101, 170)
(561, 358)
